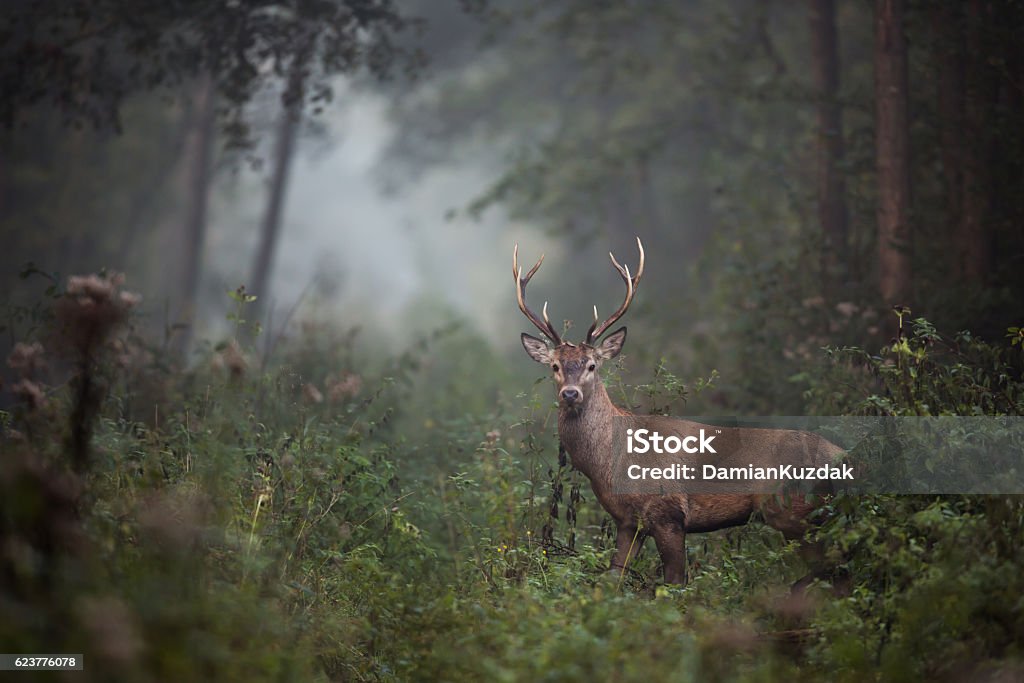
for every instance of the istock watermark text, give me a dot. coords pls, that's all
(644, 440)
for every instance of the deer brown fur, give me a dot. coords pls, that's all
(586, 417)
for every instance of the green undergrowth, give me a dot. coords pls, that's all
(242, 520)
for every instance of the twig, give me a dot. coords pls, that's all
(272, 340)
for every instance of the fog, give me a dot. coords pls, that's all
(392, 252)
(377, 251)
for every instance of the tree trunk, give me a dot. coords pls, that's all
(892, 154)
(948, 35)
(974, 239)
(284, 148)
(832, 211)
(199, 176)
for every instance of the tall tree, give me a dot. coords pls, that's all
(199, 174)
(974, 238)
(948, 35)
(892, 152)
(43, 42)
(284, 148)
(832, 210)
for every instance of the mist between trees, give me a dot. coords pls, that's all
(265, 413)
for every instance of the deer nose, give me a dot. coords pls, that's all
(570, 395)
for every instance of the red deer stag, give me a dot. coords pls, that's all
(585, 428)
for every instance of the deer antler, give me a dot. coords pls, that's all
(595, 331)
(545, 326)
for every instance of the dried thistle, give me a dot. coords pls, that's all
(232, 359)
(87, 315)
(90, 310)
(311, 394)
(30, 392)
(114, 627)
(344, 388)
(27, 358)
(174, 520)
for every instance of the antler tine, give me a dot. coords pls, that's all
(624, 271)
(596, 330)
(544, 325)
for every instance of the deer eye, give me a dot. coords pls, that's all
(592, 367)
(555, 367)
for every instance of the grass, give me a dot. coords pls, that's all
(229, 523)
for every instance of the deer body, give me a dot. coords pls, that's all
(586, 418)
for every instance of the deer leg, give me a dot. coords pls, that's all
(671, 540)
(792, 520)
(820, 567)
(628, 539)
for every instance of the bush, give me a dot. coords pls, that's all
(238, 520)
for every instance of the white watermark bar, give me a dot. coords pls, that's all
(42, 662)
(768, 455)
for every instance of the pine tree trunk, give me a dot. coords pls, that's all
(948, 34)
(832, 210)
(200, 175)
(892, 153)
(974, 242)
(270, 230)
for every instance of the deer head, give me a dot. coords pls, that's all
(575, 367)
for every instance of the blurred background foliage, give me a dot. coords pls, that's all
(346, 468)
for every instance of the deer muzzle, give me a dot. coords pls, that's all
(570, 396)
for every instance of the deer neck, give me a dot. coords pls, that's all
(588, 436)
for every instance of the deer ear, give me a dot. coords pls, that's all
(612, 344)
(537, 349)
